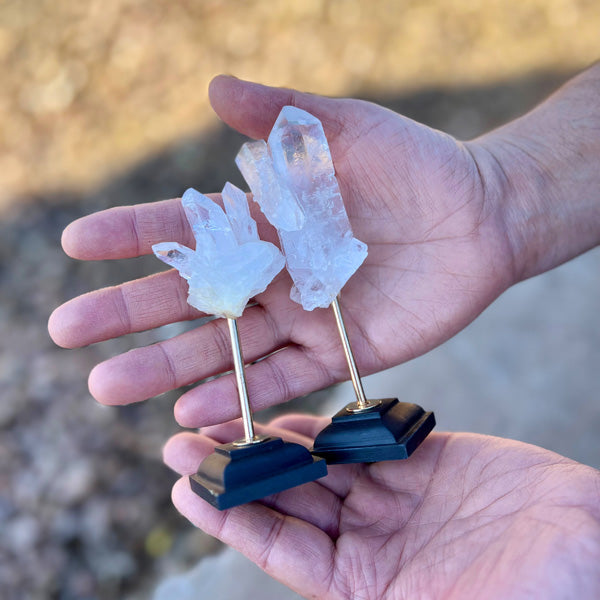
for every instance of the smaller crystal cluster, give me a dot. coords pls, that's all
(230, 264)
(293, 180)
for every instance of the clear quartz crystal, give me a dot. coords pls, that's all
(230, 264)
(293, 180)
(268, 188)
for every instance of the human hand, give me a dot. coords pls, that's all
(438, 255)
(468, 516)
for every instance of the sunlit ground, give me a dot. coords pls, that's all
(89, 88)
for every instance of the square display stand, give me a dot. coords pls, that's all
(389, 430)
(239, 472)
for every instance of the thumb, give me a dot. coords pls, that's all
(252, 108)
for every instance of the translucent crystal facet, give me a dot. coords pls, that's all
(268, 188)
(230, 264)
(293, 180)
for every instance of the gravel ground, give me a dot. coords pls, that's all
(104, 103)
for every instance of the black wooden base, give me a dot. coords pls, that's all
(234, 474)
(389, 431)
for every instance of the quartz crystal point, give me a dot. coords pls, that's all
(230, 263)
(293, 180)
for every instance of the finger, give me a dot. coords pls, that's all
(256, 114)
(127, 308)
(224, 433)
(126, 231)
(129, 231)
(284, 375)
(308, 426)
(205, 351)
(313, 501)
(185, 451)
(287, 548)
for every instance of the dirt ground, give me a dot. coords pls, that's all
(104, 103)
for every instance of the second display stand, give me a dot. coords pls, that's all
(370, 430)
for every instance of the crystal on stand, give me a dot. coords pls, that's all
(228, 266)
(293, 180)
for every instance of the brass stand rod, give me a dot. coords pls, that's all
(240, 378)
(356, 382)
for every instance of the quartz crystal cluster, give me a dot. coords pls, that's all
(293, 180)
(230, 264)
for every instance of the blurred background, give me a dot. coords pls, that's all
(104, 103)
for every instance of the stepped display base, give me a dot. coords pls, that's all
(235, 474)
(390, 430)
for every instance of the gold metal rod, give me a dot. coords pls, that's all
(356, 382)
(240, 377)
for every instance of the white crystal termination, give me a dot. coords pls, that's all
(293, 180)
(230, 264)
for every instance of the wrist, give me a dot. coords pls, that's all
(548, 205)
(541, 173)
(520, 190)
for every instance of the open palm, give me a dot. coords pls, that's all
(438, 256)
(468, 516)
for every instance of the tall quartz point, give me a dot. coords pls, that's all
(230, 263)
(293, 180)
